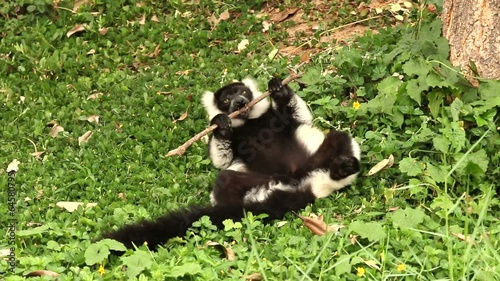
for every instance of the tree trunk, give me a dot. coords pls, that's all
(473, 29)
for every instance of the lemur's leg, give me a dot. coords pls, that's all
(287, 103)
(233, 187)
(334, 166)
(220, 150)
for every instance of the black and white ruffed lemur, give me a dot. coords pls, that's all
(274, 161)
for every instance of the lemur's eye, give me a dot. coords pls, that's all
(226, 101)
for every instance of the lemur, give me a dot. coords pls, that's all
(275, 162)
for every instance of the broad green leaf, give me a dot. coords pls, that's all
(416, 66)
(411, 167)
(407, 218)
(189, 268)
(415, 88)
(441, 143)
(96, 253)
(442, 201)
(343, 265)
(455, 134)
(456, 107)
(436, 173)
(113, 245)
(489, 89)
(31, 232)
(387, 96)
(372, 231)
(137, 262)
(435, 101)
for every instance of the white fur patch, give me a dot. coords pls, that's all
(356, 150)
(238, 166)
(212, 199)
(262, 192)
(208, 101)
(302, 112)
(256, 194)
(310, 137)
(220, 153)
(261, 107)
(322, 185)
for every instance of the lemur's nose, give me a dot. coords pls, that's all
(239, 100)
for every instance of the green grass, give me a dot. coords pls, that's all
(433, 215)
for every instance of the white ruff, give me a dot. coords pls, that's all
(262, 106)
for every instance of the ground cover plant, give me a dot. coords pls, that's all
(95, 93)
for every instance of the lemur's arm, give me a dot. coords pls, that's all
(287, 103)
(220, 144)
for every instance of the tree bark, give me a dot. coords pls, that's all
(473, 29)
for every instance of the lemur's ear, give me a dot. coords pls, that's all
(208, 101)
(261, 107)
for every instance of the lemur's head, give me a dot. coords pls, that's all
(235, 96)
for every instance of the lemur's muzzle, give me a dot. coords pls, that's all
(238, 103)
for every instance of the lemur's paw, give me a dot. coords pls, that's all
(224, 129)
(343, 166)
(280, 93)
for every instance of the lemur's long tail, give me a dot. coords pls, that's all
(158, 231)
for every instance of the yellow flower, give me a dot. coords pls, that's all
(101, 270)
(356, 105)
(361, 272)
(401, 267)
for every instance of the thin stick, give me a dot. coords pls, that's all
(182, 149)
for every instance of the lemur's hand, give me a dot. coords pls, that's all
(224, 129)
(280, 94)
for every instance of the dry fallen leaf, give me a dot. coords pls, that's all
(56, 129)
(266, 25)
(214, 21)
(37, 154)
(395, 208)
(72, 206)
(42, 273)
(13, 166)
(316, 225)
(225, 15)
(183, 116)
(156, 52)
(79, 3)
(228, 252)
(183, 72)
(76, 29)
(103, 30)
(142, 20)
(242, 45)
(372, 264)
(85, 137)
(254, 277)
(155, 18)
(93, 118)
(462, 237)
(279, 17)
(353, 238)
(94, 96)
(385, 163)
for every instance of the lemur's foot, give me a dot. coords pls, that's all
(343, 166)
(224, 129)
